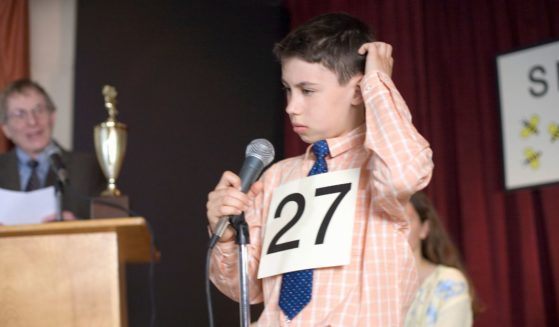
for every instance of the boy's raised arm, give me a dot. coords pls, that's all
(402, 159)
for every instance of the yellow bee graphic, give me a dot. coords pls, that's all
(532, 158)
(553, 129)
(530, 126)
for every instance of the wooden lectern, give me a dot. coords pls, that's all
(69, 273)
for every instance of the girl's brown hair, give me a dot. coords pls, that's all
(437, 247)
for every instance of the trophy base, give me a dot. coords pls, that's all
(109, 207)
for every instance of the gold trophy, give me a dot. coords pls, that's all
(110, 145)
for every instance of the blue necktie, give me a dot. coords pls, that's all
(33, 183)
(296, 286)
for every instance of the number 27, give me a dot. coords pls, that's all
(299, 199)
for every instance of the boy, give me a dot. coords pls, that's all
(340, 98)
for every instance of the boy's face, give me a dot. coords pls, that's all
(318, 106)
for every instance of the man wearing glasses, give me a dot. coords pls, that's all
(27, 116)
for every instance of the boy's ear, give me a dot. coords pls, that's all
(357, 95)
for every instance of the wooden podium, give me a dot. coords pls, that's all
(69, 273)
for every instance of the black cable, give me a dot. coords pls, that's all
(219, 229)
(208, 290)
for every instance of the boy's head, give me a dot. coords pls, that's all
(331, 40)
(321, 70)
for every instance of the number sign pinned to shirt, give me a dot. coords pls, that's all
(310, 223)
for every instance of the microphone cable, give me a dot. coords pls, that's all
(216, 235)
(208, 289)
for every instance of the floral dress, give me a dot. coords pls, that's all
(443, 300)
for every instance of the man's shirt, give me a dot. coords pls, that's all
(25, 170)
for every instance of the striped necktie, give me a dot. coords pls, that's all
(296, 286)
(33, 183)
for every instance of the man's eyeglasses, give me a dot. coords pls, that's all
(22, 115)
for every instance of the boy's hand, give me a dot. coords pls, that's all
(379, 57)
(227, 200)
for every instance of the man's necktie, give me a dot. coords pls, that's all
(296, 286)
(33, 183)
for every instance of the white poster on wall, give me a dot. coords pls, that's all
(528, 81)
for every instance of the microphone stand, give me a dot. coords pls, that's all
(58, 191)
(240, 225)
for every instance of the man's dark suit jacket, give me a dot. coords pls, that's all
(85, 175)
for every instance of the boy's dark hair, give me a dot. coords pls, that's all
(331, 40)
(21, 86)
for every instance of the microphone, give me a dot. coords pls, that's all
(57, 165)
(259, 154)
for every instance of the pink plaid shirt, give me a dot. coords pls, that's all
(378, 285)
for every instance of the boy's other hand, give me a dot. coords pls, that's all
(379, 57)
(228, 200)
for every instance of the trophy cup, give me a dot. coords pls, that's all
(110, 146)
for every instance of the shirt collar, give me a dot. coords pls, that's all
(42, 158)
(339, 145)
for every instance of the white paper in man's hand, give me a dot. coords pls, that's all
(26, 207)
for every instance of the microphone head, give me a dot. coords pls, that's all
(52, 149)
(261, 149)
(56, 164)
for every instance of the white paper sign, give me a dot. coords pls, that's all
(26, 207)
(529, 97)
(310, 223)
